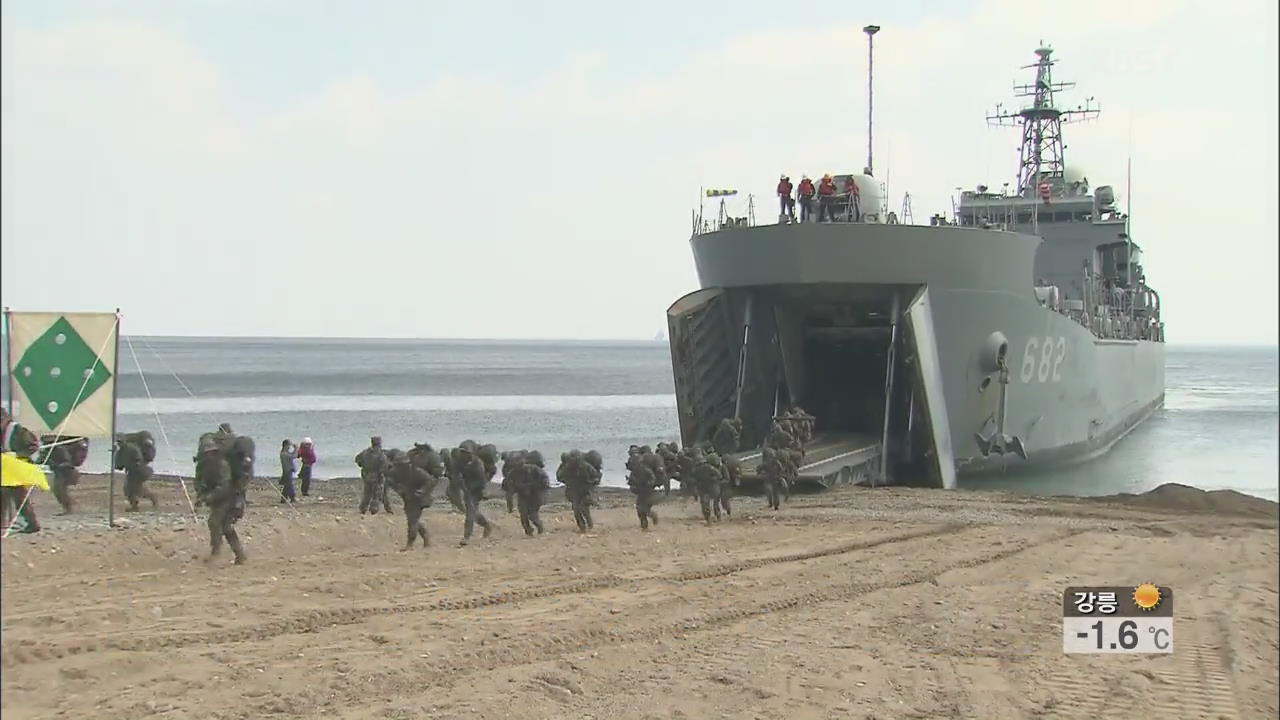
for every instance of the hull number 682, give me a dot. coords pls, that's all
(1042, 359)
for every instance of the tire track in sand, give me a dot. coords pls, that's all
(517, 652)
(320, 619)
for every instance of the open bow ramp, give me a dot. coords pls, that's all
(861, 358)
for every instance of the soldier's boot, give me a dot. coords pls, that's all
(422, 532)
(537, 522)
(511, 502)
(27, 512)
(644, 518)
(525, 522)
(484, 523)
(215, 536)
(468, 527)
(591, 525)
(724, 500)
(63, 496)
(237, 549)
(386, 501)
(706, 509)
(580, 518)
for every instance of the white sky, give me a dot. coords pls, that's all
(357, 176)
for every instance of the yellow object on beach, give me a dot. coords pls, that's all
(20, 473)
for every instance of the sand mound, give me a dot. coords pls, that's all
(1183, 498)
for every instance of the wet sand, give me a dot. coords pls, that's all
(886, 603)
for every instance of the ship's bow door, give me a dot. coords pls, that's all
(922, 345)
(703, 361)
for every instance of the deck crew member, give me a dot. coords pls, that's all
(805, 193)
(826, 196)
(855, 199)
(787, 203)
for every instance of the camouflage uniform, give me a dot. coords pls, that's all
(646, 474)
(773, 475)
(511, 461)
(727, 437)
(65, 460)
(131, 458)
(373, 463)
(471, 471)
(670, 455)
(728, 480)
(453, 488)
(530, 481)
(802, 425)
(489, 457)
(708, 476)
(596, 461)
(579, 478)
(415, 475)
(224, 464)
(779, 438)
(686, 462)
(386, 479)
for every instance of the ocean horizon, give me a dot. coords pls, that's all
(1217, 430)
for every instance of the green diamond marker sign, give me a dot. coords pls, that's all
(58, 372)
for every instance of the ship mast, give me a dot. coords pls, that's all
(870, 30)
(1041, 158)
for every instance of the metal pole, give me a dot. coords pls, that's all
(8, 357)
(888, 393)
(870, 30)
(1035, 197)
(742, 355)
(111, 460)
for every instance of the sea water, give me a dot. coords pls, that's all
(1218, 428)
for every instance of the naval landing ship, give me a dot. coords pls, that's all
(1019, 332)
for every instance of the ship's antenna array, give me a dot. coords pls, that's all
(870, 30)
(1041, 160)
(1128, 213)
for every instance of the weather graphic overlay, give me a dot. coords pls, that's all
(1126, 619)
(1146, 596)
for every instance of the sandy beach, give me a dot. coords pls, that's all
(884, 603)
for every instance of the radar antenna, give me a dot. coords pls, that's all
(1040, 153)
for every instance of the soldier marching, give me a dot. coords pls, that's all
(708, 471)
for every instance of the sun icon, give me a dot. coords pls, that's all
(1146, 596)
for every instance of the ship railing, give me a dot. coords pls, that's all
(841, 212)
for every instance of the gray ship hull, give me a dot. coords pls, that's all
(743, 346)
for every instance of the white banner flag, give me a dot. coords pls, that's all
(62, 371)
